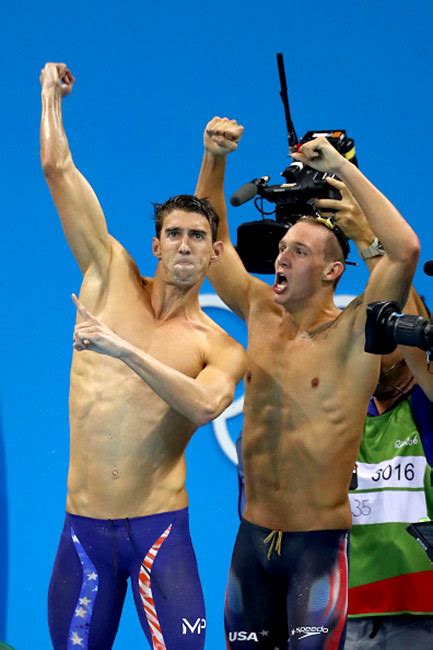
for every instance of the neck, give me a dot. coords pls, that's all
(307, 316)
(172, 301)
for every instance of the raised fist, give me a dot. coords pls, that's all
(221, 136)
(57, 75)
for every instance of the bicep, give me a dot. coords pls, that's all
(82, 218)
(389, 281)
(224, 368)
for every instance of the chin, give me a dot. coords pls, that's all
(282, 300)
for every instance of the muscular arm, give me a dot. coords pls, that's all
(199, 399)
(78, 207)
(229, 277)
(352, 220)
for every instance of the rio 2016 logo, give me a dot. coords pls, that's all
(220, 424)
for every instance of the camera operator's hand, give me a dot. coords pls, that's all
(221, 136)
(321, 155)
(347, 214)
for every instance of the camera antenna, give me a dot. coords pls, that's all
(292, 137)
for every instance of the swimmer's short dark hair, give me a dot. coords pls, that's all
(188, 203)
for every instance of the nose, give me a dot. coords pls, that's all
(283, 258)
(184, 247)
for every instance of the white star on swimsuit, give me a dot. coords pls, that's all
(92, 576)
(76, 640)
(75, 539)
(80, 612)
(264, 633)
(85, 601)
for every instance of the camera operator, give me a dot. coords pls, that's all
(391, 577)
(306, 395)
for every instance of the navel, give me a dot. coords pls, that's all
(115, 472)
(248, 376)
(315, 382)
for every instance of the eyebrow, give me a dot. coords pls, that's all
(295, 243)
(191, 231)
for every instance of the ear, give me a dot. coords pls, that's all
(156, 247)
(218, 249)
(333, 271)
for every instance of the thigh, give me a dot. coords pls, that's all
(255, 606)
(167, 588)
(317, 598)
(85, 595)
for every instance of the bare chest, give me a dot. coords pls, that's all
(279, 362)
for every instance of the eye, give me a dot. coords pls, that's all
(198, 235)
(300, 251)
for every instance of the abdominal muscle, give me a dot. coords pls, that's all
(298, 469)
(127, 445)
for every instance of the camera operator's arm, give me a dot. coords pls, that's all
(229, 277)
(351, 219)
(392, 276)
(417, 363)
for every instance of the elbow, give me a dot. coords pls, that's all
(410, 254)
(211, 410)
(415, 248)
(205, 415)
(54, 167)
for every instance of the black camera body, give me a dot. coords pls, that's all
(258, 241)
(303, 185)
(386, 327)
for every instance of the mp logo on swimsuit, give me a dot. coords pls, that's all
(309, 631)
(194, 628)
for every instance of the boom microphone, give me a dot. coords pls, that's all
(247, 191)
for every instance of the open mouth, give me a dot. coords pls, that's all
(280, 282)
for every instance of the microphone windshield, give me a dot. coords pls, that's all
(428, 268)
(244, 194)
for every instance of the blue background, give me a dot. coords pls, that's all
(149, 76)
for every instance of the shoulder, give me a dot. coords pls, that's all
(350, 315)
(219, 346)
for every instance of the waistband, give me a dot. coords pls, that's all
(183, 512)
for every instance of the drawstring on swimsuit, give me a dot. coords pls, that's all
(275, 538)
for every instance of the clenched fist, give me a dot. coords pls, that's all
(57, 75)
(221, 136)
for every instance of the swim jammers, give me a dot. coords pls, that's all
(287, 590)
(94, 560)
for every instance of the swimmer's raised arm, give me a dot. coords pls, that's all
(230, 279)
(392, 277)
(79, 209)
(351, 219)
(200, 399)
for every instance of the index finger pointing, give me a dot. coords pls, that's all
(80, 307)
